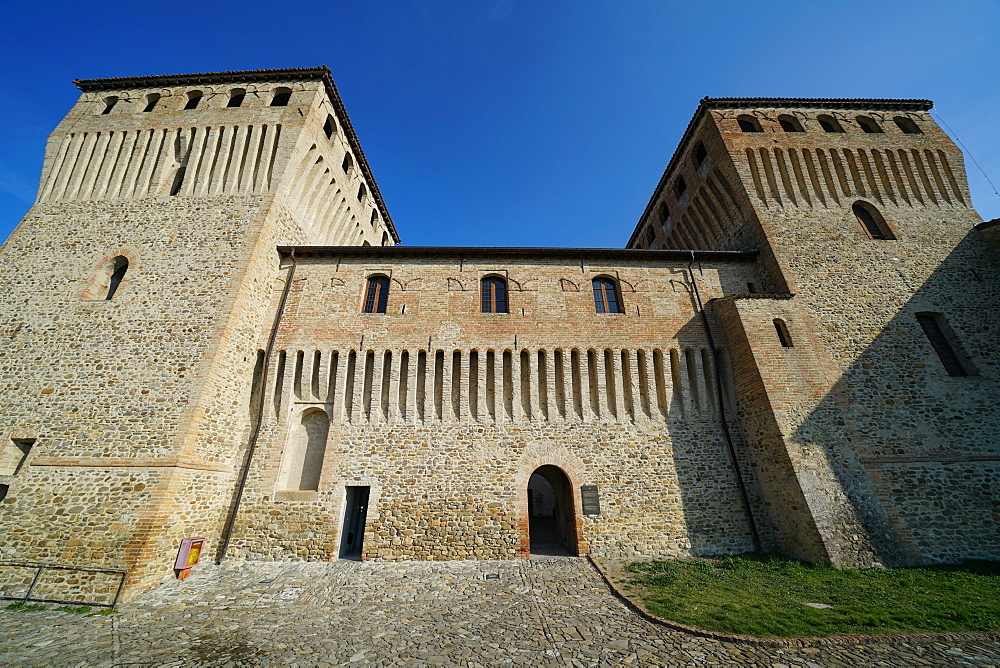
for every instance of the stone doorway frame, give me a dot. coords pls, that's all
(528, 467)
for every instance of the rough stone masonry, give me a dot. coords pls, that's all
(208, 330)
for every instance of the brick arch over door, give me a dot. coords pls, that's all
(535, 456)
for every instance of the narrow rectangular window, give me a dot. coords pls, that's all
(784, 338)
(931, 324)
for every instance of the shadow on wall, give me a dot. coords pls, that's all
(715, 516)
(910, 428)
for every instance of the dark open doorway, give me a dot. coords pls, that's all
(355, 516)
(551, 519)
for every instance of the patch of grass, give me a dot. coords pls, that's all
(75, 609)
(23, 607)
(765, 596)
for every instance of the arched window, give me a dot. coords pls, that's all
(109, 104)
(872, 221)
(374, 220)
(790, 123)
(385, 239)
(377, 294)
(700, 153)
(829, 123)
(281, 97)
(362, 192)
(236, 97)
(329, 127)
(348, 163)
(907, 125)
(748, 123)
(193, 98)
(680, 187)
(151, 101)
(784, 338)
(606, 295)
(868, 125)
(119, 266)
(664, 213)
(493, 291)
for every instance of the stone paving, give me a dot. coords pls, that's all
(540, 612)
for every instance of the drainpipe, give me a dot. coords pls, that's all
(722, 412)
(227, 530)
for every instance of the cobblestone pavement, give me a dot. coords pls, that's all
(540, 612)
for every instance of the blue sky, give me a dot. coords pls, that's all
(509, 122)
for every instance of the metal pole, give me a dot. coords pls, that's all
(37, 574)
(722, 412)
(227, 529)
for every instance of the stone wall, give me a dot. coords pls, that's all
(445, 411)
(137, 405)
(896, 432)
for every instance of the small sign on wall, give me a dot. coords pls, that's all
(190, 553)
(590, 500)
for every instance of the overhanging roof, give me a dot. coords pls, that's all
(390, 253)
(817, 102)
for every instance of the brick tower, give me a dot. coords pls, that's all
(135, 291)
(866, 359)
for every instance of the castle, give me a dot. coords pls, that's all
(209, 330)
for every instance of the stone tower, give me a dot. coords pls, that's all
(135, 291)
(865, 360)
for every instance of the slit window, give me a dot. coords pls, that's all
(330, 127)
(281, 97)
(236, 97)
(784, 338)
(907, 125)
(606, 295)
(109, 104)
(944, 343)
(790, 124)
(868, 125)
(151, 100)
(348, 163)
(700, 153)
(193, 99)
(829, 124)
(362, 192)
(376, 295)
(493, 292)
(664, 213)
(748, 124)
(680, 187)
(872, 221)
(119, 267)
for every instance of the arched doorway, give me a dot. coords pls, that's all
(551, 518)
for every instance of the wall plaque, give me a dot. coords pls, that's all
(589, 499)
